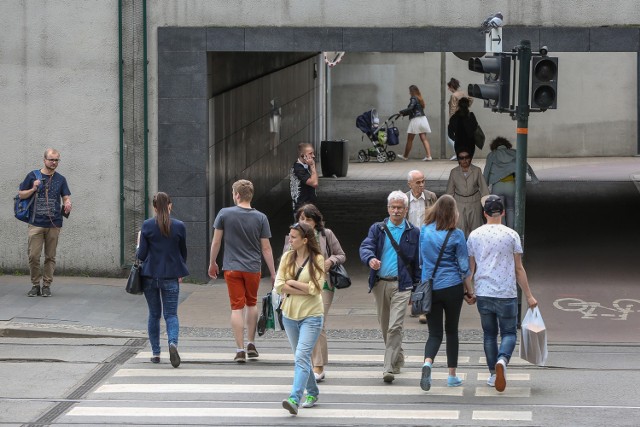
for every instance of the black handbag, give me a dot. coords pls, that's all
(339, 277)
(422, 296)
(134, 283)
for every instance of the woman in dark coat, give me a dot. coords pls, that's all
(462, 125)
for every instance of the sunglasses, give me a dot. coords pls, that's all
(464, 157)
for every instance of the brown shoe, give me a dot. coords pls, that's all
(241, 357)
(422, 319)
(251, 351)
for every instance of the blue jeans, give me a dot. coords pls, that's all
(162, 298)
(303, 335)
(498, 313)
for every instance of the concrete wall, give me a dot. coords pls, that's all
(596, 116)
(59, 87)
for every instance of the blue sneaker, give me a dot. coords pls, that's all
(454, 381)
(425, 380)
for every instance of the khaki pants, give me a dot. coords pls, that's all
(39, 236)
(320, 355)
(391, 305)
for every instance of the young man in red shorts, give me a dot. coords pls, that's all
(245, 232)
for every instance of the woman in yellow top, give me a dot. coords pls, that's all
(300, 278)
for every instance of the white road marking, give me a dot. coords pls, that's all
(511, 376)
(273, 388)
(288, 357)
(184, 372)
(106, 411)
(502, 415)
(487, 391)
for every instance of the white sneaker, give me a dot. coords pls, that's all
(491, 381)
(501, 375)
(319, 377)
(400, 156)
(427, 159)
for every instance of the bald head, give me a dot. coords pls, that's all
(415, 179)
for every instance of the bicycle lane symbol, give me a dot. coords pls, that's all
(591, 309)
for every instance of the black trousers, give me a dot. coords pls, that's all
(445, 303)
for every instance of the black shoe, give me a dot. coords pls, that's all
(46, 291)
(155, 359)
(174, 356)
(34, 292)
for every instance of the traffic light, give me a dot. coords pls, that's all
(497, 79)
(544, 82)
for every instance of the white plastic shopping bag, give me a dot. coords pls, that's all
(533, 343)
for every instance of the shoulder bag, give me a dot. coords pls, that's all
(134, 283)
(421, 297)
(25, 209)
(338, 275)
(397, 249)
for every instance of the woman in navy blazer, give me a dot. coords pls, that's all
(162, 248)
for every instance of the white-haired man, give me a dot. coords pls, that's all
(392, 275)
(420, 199)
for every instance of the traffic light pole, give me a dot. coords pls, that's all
(522, 115)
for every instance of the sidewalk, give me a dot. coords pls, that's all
(91, 306)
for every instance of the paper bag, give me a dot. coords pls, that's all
(533, 342)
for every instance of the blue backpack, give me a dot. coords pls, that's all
(24, 209)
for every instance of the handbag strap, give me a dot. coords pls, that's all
(444, 244)
(301, 268)
(397, 248)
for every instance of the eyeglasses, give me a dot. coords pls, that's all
(395, 208)
(53, 160)
(464, 158)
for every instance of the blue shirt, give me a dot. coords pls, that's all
(48, 204)
(389, 261)
(454, 265)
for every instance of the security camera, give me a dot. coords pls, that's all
(544, 50)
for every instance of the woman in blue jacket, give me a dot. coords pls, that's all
(162, 248)
(451, 284)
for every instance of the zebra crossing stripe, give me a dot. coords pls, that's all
(511, 376)
(487, 391)
(283, 389)
(288, 357)
(502, 415)
(514, 361)
(407, 373)
(258, 413)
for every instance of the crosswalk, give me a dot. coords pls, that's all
(209, 386)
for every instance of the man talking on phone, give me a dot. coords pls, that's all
(303, 177)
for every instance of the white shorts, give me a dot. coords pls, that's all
(419, 125)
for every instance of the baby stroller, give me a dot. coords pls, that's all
(380, 136)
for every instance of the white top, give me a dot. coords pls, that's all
(416, 209)
(493, 247)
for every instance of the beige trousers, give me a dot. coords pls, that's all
(38, 237)
(320, 355)
(391, 305)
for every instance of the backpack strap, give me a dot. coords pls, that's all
(38, 176)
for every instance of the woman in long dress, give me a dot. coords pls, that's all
(467, 186)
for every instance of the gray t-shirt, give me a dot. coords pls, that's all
(243, 228)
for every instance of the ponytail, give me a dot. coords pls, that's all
(161, 202)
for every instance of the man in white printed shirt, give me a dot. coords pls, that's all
(495, 258)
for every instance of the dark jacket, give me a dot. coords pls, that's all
(460, 130)
(414, 109)
(373, 244)
(163, 257)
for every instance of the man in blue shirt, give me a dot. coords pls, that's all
(45, 227)
(390, 279)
